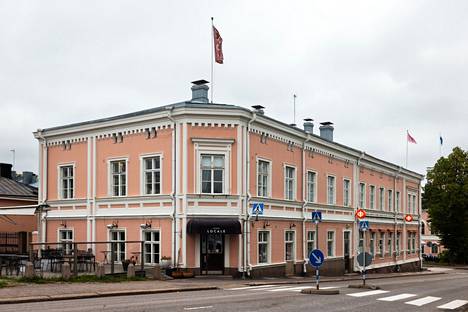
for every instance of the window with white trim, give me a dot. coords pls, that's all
(362, 195)
(397, 243)
(263, 246)
(380, 244)
(330, 243)
(311, 186)
(389, 243)
(212, 174)
(361, 241)
(414, 204)
(390, 200)
(346, 192)
(117, 238)
(289, 182)
(331, 190)
(413, 242)
(310, 241)
(66, 240)
(397, 201)
(152, 175)
(263, 178)
(118, 177)
(372, 197)
(66, 182)
(152, 245)
(289, 237)
(372, 244)
(382, 198)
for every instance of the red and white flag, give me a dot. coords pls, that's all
(218, 46)
(410, 138)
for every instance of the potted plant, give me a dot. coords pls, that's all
(165, 262)
(126, 263)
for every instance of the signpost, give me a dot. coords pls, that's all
(257, 209)
(316, 259)
(363, 257)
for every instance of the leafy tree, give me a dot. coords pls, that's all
(446, 199)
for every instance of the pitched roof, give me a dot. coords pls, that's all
(12, 188)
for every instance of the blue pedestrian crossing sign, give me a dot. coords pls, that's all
(316, 258)
(317, 216)
(257, 208)
(363, 225)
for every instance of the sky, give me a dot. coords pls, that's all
(374, 68)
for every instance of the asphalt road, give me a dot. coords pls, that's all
(428, 293)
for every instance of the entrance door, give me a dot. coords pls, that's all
(212, 253)
(347, 249)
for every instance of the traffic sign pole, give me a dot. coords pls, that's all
(364, 259)
(317, 278)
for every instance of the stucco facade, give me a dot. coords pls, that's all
(192, 171)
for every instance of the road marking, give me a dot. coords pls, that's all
(252, 287)
(289, 288)
(452, 305)
(422, 301)
(368, 293)
(397, 297)
(198, 308)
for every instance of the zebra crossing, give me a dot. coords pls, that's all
(277, 288)
(451, 305)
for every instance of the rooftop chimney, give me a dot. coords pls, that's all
(5, 170)
(28, 177)
(309, 125)
(259, 109)
(326, 130)
(200, 91)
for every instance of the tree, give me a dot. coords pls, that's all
(446, 199)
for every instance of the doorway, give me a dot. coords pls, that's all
(212, 253)
(346, 250)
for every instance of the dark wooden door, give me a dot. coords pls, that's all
(212, 253)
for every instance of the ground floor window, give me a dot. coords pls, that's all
(289, 245)
(361, 242)
(381, 244)
(408, 242)
(263, 242)
(331, 243)
(310, 241)
(389, 244)
(372, 244)
(117, 238)
(152, 246)
(434, 248)
(397, 244)
(66, 240)
(413, 242)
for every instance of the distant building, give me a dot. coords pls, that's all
(430, 243)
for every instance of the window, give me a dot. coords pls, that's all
(362, 195)
(372, 197)
(413, 242)
(381, 198)
(119, 177)
(434, 248)
(66, 240)
(408, 205)
(66, 182)
(289, 245)
(152, 246)
(397, 244)
(152, 175)
(346, 192)
(263, 241)
(311, 185)
(361, 241)
(117, 238)
(390, 200)
(331, 190)
(372, 244)
(414, 204)
(380, 245)
(331, 244)
(389, 244)
(310, 241)
(289, 182)
(397, 201)
(263, 178)
(212, 174)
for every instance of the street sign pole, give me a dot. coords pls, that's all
(364, 259)
(317, 278)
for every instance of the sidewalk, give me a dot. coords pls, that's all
(64, 291)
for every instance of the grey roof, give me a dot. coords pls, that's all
(14, 189)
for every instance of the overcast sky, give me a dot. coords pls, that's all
(374, 68)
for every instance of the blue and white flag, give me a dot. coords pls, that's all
(441, 140)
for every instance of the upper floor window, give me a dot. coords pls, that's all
(289, 182)
(119, 177)
(414, 204)
(152, 175)
(362, 195)
(331, 190)
(346, 192)
(382, 198)
(66, 182)
(372, 197)
(263, 178)
(212, 173)
(397, 201)
(311, 186)
(390, 200)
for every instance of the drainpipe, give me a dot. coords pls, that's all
(42, 230)
(174, 184)
(247, 264)
(356, 201)
(305, 199)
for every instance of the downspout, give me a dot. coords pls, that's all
(419, 226)
(43, 182)
(247, 264)
(355, 202)
(174, 184)
(305, 199)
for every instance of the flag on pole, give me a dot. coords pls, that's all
(441, 140)
(410, 138)
(218, 46)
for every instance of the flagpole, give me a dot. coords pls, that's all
(294, 108)
(440, 144)
(406, 149)
(212, 57)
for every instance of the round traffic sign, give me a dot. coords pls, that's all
(364, 259)
(316, 258)
(360, 213)
(408, 218)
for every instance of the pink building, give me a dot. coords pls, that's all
(430, 242)
(184, 178)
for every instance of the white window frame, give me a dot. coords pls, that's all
(350, 242)
(313, 240)
(361, 241)
(314, 199)
(362, 194)
(333, 245)
(397, 201)
(213, 147)
(59, 180)
(268, 189)
(372, 240)
(382, 199)
(110, 242)
(293, 255)
(372, 195)
(143, 173)
(347, 196)
(67, 241)
(142, 238)
(398, 243)
(294, 184)
(381, 247)
(389, 239)
(390, 200)
(110, 180)
(223, 188)
(334, 189)
(268, 243)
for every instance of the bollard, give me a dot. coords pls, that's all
(131, 270)
(100, 270)
(29, 270)
(66, 271)
(156, 272)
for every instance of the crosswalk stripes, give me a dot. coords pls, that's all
(452, 305)
(397, 297)
(368, 293)
(423, 301)
(278, 288)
